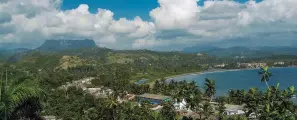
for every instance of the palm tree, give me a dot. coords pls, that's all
(221, 107)
(168, 112)
(252, 101)
(265, 75)
(112, 105)
(206, 111)
(19, 98)
(210, 89)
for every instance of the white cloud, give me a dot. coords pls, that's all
(269, 11)
(148, 42)
(174, 22)
(37, 20)
(174, 14)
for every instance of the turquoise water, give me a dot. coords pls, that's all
(245, 79)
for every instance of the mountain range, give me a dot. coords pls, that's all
(77, 45)
(243, 51)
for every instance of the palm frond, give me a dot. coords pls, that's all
(292, 89)
(265, 68)
(22, 93)
(277, 86)
(269, 74)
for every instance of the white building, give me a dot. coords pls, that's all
(279, 63)
(221, 65)
(251, 65)
(233, 112)
(180, 105)
(234, 109)
(99, 92)
(199, 54)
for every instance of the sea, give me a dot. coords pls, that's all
(244, 79)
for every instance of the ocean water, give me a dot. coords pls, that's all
(244, 79)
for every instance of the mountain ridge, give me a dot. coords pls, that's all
(258, 51)
(57, 45)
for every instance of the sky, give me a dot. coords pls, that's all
(150, 24)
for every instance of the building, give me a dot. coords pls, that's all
(180, 105)
(234, 109)
(199, 54)
(220, 65)
(251, 65)
(153, 98)
(99, 92)
(279, 63)
(49, 117)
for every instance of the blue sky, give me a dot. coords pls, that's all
(123, 8)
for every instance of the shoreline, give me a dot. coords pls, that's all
(213, 71)
(204, 72)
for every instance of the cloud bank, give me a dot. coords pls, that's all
(178, 23)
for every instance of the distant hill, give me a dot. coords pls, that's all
(58, 45)
(242, 51)
(9, 52)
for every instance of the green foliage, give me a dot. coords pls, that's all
(168, 112)
(210, 89)
(221, 107)
(206, 111)
(265, 75)
(19, 97)
(118, 70)
(236, 96)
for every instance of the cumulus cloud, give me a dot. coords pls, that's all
(46, 21)
(175, 23)
(174, 14)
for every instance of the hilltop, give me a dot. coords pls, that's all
(57, 45)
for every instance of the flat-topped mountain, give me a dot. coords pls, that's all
(56, 45)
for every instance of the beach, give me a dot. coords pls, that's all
(207, 71)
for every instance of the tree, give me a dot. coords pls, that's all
(90, 114)
(206, 111)
(221, 107)
(168, 112)
(156, 87)
(252, 100)
(19, 98)
(112, 105)
(210, 89)
(265, 75)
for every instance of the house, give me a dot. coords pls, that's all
(199, 54)
(234, 109)
(251, 65)
(220, 65)
(49, 117)
(279, 63)
(153, 98)
(180, 105)
(99, 92)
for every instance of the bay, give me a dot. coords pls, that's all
(244, 79)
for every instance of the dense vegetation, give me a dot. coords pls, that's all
(119, 70)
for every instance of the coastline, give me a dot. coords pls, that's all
(207, 71)
(213, 71)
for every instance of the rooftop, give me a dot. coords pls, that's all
(154, 96)
(230, 107)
